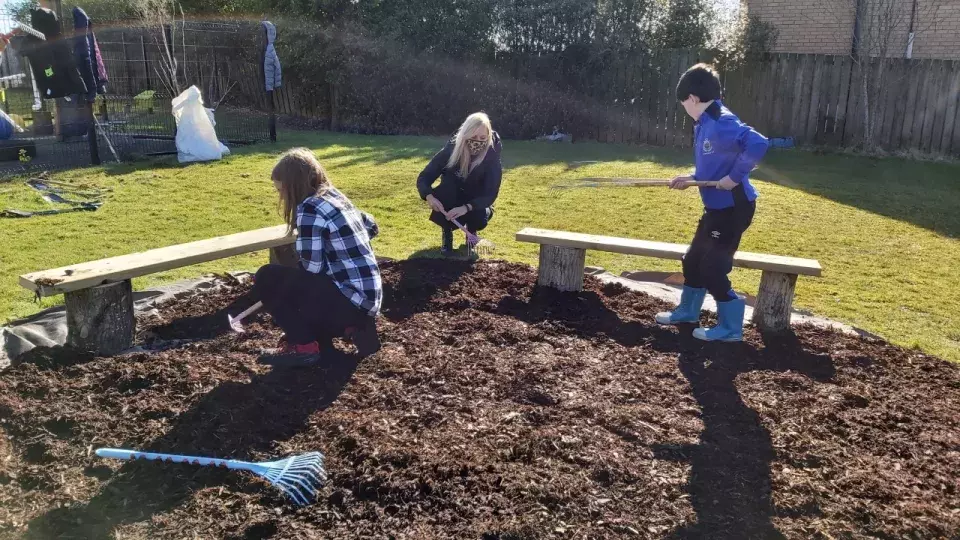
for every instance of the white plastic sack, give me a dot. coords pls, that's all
(196, 136)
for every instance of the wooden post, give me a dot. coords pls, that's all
(58, 120)
(146, 64)
(125, 63)
(561, 267)
(92, 134)
(774, 301)
(100, 319)
(334, 109)
(285, 255)
(273, 117)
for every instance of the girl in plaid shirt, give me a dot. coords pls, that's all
(336, 289)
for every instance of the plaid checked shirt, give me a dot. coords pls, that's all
(333, 236)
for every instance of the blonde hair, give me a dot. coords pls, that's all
(460, 157)
(300, 176)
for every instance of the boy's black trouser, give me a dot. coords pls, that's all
(710, 256)
(450, 196)
(307, 306)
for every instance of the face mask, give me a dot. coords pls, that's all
(475, 146)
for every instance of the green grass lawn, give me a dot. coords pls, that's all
(886, 231)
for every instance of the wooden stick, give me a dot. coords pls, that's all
(248, 311)
(236, 322)
(616, 179)
(640, 182)
(626, 182)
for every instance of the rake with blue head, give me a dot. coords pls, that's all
(299, 477)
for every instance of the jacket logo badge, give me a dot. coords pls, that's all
(707, 146)
(715, 234)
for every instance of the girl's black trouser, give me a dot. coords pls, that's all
(307, 306)
(451, 196)
(710, 256)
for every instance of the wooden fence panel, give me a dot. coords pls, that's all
(853, 121)
(955, 146)
(843, 98)
(653, 90)
(950, 116)
(819, 71)
(920, 105)
(666, 70)
(939, 109)
(895, 91)
(910, 104)
(793, 94)
(929, 102)
(639, 71)
(685, 59)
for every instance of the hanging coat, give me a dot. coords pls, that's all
(86, 52)
(271, 62)
(52, 61)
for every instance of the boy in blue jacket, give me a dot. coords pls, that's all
(725, 150)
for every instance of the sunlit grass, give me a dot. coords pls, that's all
(885, 231)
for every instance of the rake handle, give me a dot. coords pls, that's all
(647, 182)
(131, 455)
(659, 183)
(247, 312)
(470, 236)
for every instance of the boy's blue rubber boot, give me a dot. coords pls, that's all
(691, 300)
(730, 323)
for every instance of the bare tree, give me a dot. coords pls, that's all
(881, 29)
(159, 17)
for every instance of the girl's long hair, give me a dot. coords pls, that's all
(460, 157)
(300, 176)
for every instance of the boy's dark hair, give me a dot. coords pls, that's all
(701, 81)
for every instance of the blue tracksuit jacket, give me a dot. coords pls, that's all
(723, 145)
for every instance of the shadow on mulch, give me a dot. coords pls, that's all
(730, 486)
(419, 283)
(202, 320)
(235, 420)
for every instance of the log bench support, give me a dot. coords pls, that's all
(774, 301)
(100, 319)
(561, 267)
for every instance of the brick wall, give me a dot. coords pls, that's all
(805, 27)
(826, 26)
(939, 38)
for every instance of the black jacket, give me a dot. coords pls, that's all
(480, 188)
(52, 61)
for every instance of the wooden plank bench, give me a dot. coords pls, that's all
(99, 296)
(562, 257)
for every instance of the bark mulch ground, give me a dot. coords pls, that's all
(494, 411)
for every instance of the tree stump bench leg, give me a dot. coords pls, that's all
(774, 301)
(285, 255)
(561, 267)
(100, 319)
